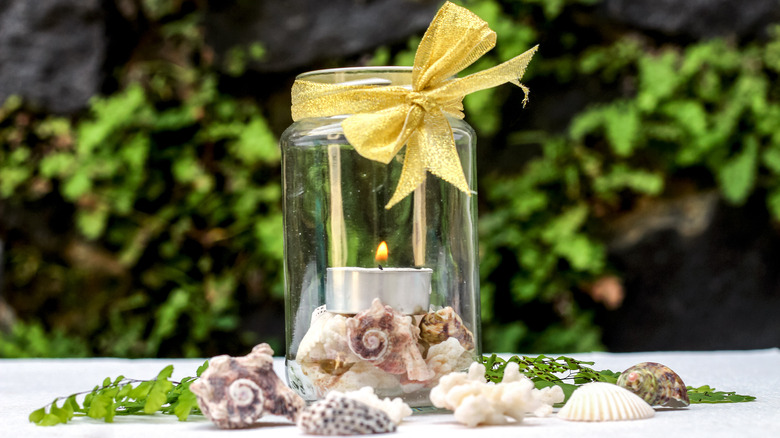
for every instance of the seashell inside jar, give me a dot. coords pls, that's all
(381, 348)
(436, 327)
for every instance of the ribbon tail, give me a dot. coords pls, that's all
(412, 173)
(509, 71)
(441, 157)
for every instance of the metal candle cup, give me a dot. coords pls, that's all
(351, 290)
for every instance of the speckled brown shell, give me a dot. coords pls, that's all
(657, 384)
(234, 392)
(387, 340)
(340, 415)
(438, 326)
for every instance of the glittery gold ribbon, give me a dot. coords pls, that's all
(385, 118)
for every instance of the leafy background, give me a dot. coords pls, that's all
(150, 224)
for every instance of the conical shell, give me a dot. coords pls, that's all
(599, 401)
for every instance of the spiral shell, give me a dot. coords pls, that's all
(234, 392)
(373, 345)
(244, 392)
(657, 384)
(600, 401)
(436, 327)
(387, 340)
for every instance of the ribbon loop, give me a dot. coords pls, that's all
(385, 118)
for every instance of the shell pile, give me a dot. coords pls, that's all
(600, 401)
(234, 392)
(396, 354)
(341, 415)
(656, 384)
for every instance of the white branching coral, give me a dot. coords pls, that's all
(448, 356)
(475, 401)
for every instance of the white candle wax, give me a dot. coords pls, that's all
(351, 290)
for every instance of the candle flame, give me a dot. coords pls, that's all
(381, 253)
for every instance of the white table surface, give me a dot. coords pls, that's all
(28, 384)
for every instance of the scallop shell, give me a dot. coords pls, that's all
(600, 401)
(657, 384)
(387, 340)
(234, 392)
(436, 327)
(340, 415)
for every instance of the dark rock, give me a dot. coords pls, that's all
(698, 275)
(696, 18)
(297, 33)
(51, 52)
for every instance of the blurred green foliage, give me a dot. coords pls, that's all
(709, 109)
(164, 199)
(32, 340)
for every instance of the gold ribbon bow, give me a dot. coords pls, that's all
(385, 118)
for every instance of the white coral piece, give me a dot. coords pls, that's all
(326, 339)
(396, 409)
(475, 401)
(447, 357)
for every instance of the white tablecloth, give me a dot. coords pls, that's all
(27, 384)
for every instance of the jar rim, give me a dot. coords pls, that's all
(373, 75)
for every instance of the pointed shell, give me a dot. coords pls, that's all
(234, 392)
(600, 401)
(656, 384)
(340, 415)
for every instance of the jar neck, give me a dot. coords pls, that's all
(361, 76)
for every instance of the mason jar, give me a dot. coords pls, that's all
(375, 296)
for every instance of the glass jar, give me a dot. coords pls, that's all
(387, 298)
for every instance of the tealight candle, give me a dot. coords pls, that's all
(350, 290)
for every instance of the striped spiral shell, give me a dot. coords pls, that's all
(244, 392)
(234, 392)
(373, 345)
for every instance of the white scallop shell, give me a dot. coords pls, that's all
(600, 401)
